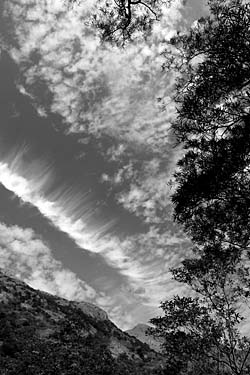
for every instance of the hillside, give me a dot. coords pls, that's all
(42, 334)
(140, 332)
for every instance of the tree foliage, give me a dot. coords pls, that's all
(121, 21)
(202, 332)
(213, 123)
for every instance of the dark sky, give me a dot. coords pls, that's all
(85, 159)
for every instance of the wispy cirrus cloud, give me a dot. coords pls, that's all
(70, 210)
(101, 91)
(138, 257)
(111, 94)
(25, 255)
(142, 260)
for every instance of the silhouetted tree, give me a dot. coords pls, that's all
(213, 124)
(202, 331)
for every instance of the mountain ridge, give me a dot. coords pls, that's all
(43, 334)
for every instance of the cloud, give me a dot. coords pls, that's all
(104, 92)
(27, 257)
(107, 94)
(142, 260)
(137, 257)
(96, 89)
(69, 210)
(144, 186)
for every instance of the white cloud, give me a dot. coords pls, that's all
(24, 255)
(146, 191)
(67, 209)
(96, 89)
(143, 259)
(27, 257)
(102, 91)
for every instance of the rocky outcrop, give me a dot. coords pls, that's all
(140, 331)
(92, 310)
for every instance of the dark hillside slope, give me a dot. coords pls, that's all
(46, 335)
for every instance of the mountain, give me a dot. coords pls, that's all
(140, 332)
(43, 334)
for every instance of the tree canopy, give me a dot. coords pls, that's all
(213, 124)
(202, 332)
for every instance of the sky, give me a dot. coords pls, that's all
(86, 159)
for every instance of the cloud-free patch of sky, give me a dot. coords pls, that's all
(85, 143)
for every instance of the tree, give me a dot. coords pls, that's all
(121, 21)
(201, 332)
(213, 124)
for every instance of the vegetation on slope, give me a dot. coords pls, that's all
(42, 334)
